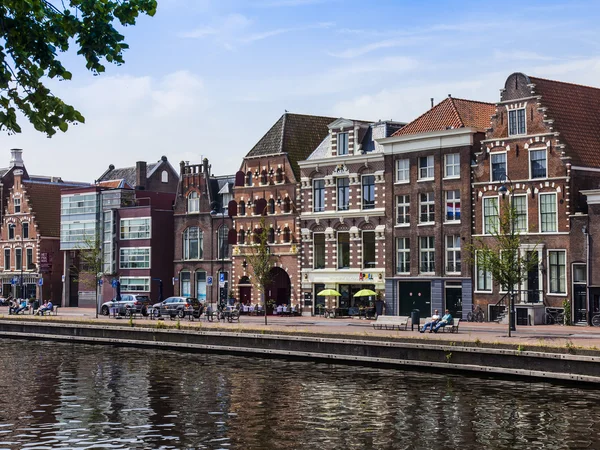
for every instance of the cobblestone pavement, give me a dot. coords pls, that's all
(551, 335)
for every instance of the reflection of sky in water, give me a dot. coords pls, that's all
(76, 396)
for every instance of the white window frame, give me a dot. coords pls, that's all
(346, 148)
(427, 203)
(492, 166)
(339, 252)
(123, 255)
(555, 212)
(454, 206)
(223, 242)
(315, 251)
(516, 111)
(29, 265)
(193, 202)
(430, 251)
(454, 251)
(486, 275)
(362, 191)
(549, 273)
(186, 248)
(525, 196)
(405, 208)
(406, 252)
(124, 285)
(322, 207)
(164, 176)
(7, 268)
(125, 235)
(17, 204)
(374, 249)
(539, 149)
(181, 281)
(484, 217)
(455, 166)
(337, 194)
(402, 171)
(429, 168)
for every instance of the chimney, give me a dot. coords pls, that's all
(432, 102)
(18, 178)
(141, 175)
(16, 157)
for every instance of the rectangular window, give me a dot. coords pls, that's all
(453, 206)
(490, 215)
(453, 259)
(484, 279)
(29, 259)
(78, 204)
(318, 195)
(452, 166)
(201, 285)
(17, 205)
(343, 194)
(108, 256)
(134, 258)
(368, 250)
(343, 250)
(11, 231)
(498, 166)
(25, 230)
(427, 208)
(18, 258)
(402, 171)
(520, 211)
(427, 254)
(319, 250)
(138, 228)
(342, 143)
(368, 192)
(7, 259)
(129, 284)
(223, 238)
(537, 163)
(558, 271)
(403, 209)
(516, 122)
(548, 213)
(186, 284)
(403, 255)
(426, 167)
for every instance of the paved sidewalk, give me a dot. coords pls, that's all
(549, 335)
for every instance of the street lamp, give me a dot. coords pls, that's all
(214, 213)
(511, 299)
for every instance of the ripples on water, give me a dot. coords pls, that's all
(63, 396)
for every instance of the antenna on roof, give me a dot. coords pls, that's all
(432, 102)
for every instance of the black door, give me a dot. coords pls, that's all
(414, 295)
(454, 299)
(73, 289)
(580, 297)
(533, 282)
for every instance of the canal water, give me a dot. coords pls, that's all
(72, 396)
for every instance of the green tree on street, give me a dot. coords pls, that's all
(34, 34)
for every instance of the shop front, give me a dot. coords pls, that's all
(347, 283)
(12, 286)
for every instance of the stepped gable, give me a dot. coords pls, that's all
(449, 114)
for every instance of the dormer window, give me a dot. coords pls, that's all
(516, 122)
(342, 143)
(17, 205)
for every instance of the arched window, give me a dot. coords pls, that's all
(25, 230)
(271, 236)
(286, 234)
(279, 175)
(242, 210)
(201, 285)
(257, 233)
(193, 243)
(242, 237)
(263, 177)
(224, 242)
(248, 178)
(193, 202)
(164, 176)
(287, 205)
(272, 206)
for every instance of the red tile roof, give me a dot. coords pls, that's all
(451, 113)
(575, 110)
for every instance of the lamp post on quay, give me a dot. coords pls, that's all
(214, 214)
(512, 216)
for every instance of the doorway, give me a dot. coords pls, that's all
(414, 295)
(245, 291)
(533, 279)
(454, 298)
(580, 293)
(279, 290)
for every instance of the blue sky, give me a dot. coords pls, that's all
(208, 78)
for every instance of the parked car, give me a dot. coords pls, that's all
(139, 302)
(177, 307)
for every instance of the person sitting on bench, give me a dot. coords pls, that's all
(47, 307)
(446, 320)
(434, 320)
(17, 309)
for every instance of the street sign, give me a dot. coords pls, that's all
(114, 283)
(209, 280)
(100, 281)
(174, 280)
(41, 282)
(222, 277)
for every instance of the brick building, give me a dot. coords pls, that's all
(428, 208)
(343, 213)
(155, 177)
(267, 186)
(543, 147)
(202, 229)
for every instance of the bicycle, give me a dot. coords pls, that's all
(596, 320)
(555, 315)
(477, 315)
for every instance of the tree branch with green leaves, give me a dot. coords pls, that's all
(33, 33)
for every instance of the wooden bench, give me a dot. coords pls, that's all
(453, 327)
(52, 312)
(391, 323)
